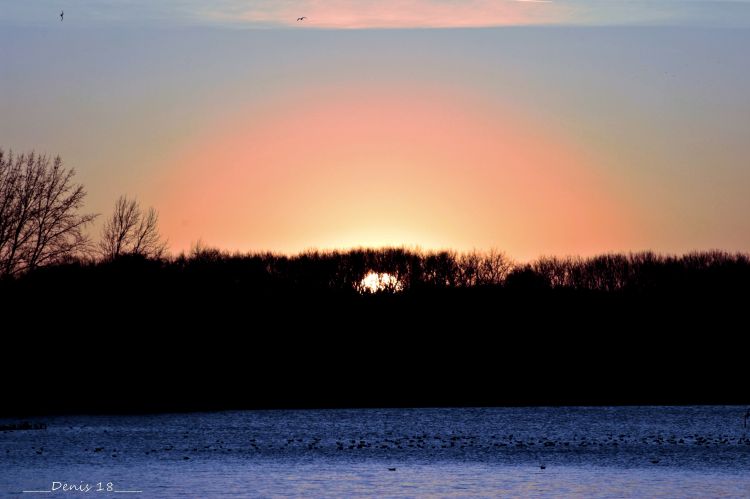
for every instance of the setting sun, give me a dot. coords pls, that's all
(375, 282)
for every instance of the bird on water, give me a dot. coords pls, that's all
(61, 15)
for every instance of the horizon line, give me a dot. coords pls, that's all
(418, 249)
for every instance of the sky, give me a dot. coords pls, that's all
(533, 127)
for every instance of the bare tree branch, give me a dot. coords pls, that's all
(131, 232)
(39, 219)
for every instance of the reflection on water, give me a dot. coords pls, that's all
(632, 451)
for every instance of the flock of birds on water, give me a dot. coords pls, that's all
(446, 444)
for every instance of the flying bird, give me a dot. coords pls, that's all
(301, 18)
(61, 15)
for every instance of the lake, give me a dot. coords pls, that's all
(694, 451)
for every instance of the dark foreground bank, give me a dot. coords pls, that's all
(137, 337)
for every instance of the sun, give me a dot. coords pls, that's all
(376, 282)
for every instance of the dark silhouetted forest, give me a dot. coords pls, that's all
(414, 271)
(211, 330)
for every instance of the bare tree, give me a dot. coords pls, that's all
(483, 269)
(129, 231)
(494, 266)
(39, 219)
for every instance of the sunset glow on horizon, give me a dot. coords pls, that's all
(373, 166)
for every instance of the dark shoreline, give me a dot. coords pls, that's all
(127, 340)
(203, 361)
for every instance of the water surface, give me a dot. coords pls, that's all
(602, 452)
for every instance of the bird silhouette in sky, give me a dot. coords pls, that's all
(61, 15)
(301, 18)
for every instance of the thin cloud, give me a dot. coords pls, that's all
(354, 14)
(393, 13)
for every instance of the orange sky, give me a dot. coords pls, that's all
(417, 166)
(532, 140)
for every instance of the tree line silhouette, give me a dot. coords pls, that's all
(40, 226)
(415, 270)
